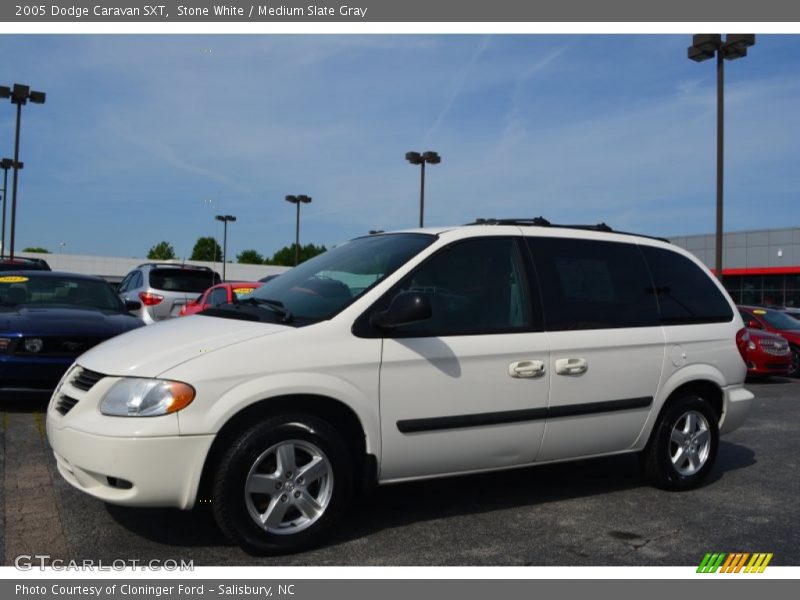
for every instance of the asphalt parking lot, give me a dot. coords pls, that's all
(594, 512)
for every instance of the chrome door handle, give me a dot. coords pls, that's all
(571, 366)
(526, 369)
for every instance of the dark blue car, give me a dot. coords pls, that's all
(47, 319)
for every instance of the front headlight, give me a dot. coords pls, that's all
(146, 398)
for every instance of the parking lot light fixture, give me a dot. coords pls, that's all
(706, 46)
(297, 200)
(5, 164)
(415, 158)
(225, 220)
(19, 94)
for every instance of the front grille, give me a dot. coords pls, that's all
(65, 404)
(778, 366)
(776, 348)
(60, 346)
(85, 379)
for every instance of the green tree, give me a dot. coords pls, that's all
(207, 248)
(285, 256)
(38, 249)
(161, 251)
(249, 257)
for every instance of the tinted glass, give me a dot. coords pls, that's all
(182, 280)
(686, 293)
(321, 287)
(31, 290)
(780, 320)
(589, 284)
(218, 296)
(476, 286)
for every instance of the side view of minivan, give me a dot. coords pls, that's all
(404, 356)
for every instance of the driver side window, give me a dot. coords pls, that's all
(475, 287)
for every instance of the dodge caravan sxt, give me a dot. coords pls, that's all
(410, 355)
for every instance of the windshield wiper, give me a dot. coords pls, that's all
(274, 305)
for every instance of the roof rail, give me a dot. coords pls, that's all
(542, 222)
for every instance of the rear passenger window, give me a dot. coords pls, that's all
(686, 293)
(589, 284)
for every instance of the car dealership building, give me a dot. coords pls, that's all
(758, 267)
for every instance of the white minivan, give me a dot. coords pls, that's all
(410, 355)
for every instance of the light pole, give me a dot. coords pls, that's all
(415, 158)
(225, 220)
(297, 200)
(20, 94)
(5, 164)
(705, 46)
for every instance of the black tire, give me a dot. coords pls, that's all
(657, 458)
(795, 369)
(235, 511)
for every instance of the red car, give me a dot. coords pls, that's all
(222, 293)
(766, 354)
(775, 321)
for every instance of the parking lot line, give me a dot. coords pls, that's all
(32, 524)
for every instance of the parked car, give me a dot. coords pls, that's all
(776, 321)
(163, 289)
(46, 320)
(19, 263)
(456, 350)
(222, 293)
(767, 354)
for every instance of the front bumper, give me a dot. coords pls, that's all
(736, 405)
(135, 461)
(30, 375)
(133, 471)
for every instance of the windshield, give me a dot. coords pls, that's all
(16, 290)
(780, 320)
(323, 286)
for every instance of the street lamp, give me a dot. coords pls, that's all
(225, 220)
(5, 164)
(415, 158)
(19, 94)
(705, 46)
(297, 200)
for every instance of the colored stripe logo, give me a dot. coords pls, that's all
(736, 562)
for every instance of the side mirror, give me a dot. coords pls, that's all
(132, 305)
(753, 324)
(406, 308)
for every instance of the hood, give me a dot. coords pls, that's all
(151, 350)
(762, 335)
(61, 321)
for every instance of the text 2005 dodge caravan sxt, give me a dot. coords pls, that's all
(409, 355)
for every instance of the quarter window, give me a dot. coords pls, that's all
(686, 294)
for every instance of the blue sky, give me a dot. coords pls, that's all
(144, 138)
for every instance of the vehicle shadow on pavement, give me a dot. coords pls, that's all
(403, 504)
(407, 503)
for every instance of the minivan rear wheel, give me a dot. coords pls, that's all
(282, 484)
(683, 446)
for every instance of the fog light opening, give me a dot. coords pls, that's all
(119, 483)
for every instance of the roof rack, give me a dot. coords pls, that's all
(542, 222)
(174, 264)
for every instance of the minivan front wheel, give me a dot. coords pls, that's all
(282, 484)
(683, 446)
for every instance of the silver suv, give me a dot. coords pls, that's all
(164, 288)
